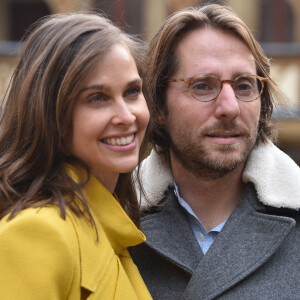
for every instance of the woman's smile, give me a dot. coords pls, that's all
(110, 117)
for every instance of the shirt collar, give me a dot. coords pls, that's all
(192, 216)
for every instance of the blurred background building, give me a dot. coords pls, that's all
(274, 23)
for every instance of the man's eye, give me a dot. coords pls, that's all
(245, 84)
(244, 87)
(201, 86)
(204, 84)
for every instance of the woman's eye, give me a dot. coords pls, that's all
(133, 91)
(97, 98)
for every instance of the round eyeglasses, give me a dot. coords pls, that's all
(205, 88)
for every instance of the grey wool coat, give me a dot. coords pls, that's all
(255, 256)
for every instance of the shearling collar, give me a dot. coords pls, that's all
(274, 174)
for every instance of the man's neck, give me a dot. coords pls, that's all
(211, 200)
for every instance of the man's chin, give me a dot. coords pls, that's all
(217, 167)
(224, 148)
(227, 156)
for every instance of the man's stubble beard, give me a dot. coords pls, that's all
(199, 160)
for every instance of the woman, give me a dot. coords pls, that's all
(73, 120)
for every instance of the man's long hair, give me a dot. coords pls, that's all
(161, 63)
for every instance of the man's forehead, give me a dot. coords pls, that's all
(202, 47)
(205, 39)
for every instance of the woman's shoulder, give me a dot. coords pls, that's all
(43, 223)
(48, 221)
(38, 239)
(40, 217)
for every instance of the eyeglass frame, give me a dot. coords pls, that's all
(231, 82)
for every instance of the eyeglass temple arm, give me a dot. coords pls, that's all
(179, 80)
(263, 79)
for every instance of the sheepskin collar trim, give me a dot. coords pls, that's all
(275, 175)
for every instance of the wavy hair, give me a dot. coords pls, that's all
(36, 123)
(161, 63)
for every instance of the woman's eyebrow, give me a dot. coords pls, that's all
(104, 87)
(135, 81)
(95, 87)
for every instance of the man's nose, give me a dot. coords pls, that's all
(227, 105)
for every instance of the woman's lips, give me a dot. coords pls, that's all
(121, 141)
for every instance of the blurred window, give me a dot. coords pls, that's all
(276, 21)
(128, 14)
(22, 15)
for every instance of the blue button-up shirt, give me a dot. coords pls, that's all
(204, 238)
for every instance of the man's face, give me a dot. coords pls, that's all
(213, 138)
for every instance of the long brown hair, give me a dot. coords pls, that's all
(161, 63)
(58, 55)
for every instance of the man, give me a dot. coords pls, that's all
(222, 221)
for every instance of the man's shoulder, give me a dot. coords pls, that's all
(252, 196)
(164, 220)
(275, 176)
(167, 201)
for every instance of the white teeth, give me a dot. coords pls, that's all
(120, 141)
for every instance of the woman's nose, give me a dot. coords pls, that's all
(123, 115)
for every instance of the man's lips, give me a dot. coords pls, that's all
(224, 137)
(224, 134)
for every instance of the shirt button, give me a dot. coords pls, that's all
(201, 237)
(175, 192)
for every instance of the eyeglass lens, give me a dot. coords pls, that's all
(207, 88)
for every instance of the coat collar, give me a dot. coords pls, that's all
(248, 240)
(164, 237)
(115, 229)
(119, 228)
(274, 174)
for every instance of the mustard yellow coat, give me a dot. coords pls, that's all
(45, 257)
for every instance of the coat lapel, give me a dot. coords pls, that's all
(248, 239)
(161, 230)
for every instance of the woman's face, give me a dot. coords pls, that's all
(110, 117)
